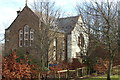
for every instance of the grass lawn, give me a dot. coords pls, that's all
(113, 77)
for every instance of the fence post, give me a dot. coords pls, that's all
(88, 70)
(82, 71)
(66, 74)
(39, 76)
(59, 75)
(77, 73)
(85, 71)
(55, 74)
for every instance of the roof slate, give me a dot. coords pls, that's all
(66, 25)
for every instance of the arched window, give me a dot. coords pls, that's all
(31, 36)
(54, 42)
(54, 48)
(26, 32)
(26, 35)
(26, 28)
(81, 41)
(20, 38)
(63, 45)
(63, 49)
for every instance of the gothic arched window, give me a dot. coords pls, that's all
(81, 41)
(26, 35)
(20, 38)
(54, 48)
(31, 36)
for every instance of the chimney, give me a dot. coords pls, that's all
(18, 12)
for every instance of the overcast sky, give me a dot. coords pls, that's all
(9, 7)
(8, 10)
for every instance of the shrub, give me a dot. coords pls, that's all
(17, 70)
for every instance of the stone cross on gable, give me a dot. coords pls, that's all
(26, 2)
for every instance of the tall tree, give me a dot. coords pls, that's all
(47, 14)
(101, 19)
(119, 29)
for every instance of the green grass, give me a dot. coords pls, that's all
(113, 77)
(115, 70)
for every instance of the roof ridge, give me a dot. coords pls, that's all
(69, 17)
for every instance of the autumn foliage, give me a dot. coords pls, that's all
(17, 70)
(66, 65)
(101, 66)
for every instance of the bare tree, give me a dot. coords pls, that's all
(47, 29)
(119, 28)
(101, 21)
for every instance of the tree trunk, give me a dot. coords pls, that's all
(109, 67)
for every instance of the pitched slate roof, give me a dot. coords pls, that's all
(66, 25)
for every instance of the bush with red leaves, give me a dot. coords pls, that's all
(102, 66)
(116, 60)
(60, 66)
(14, 70)
(65, 65)
(76, 64)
